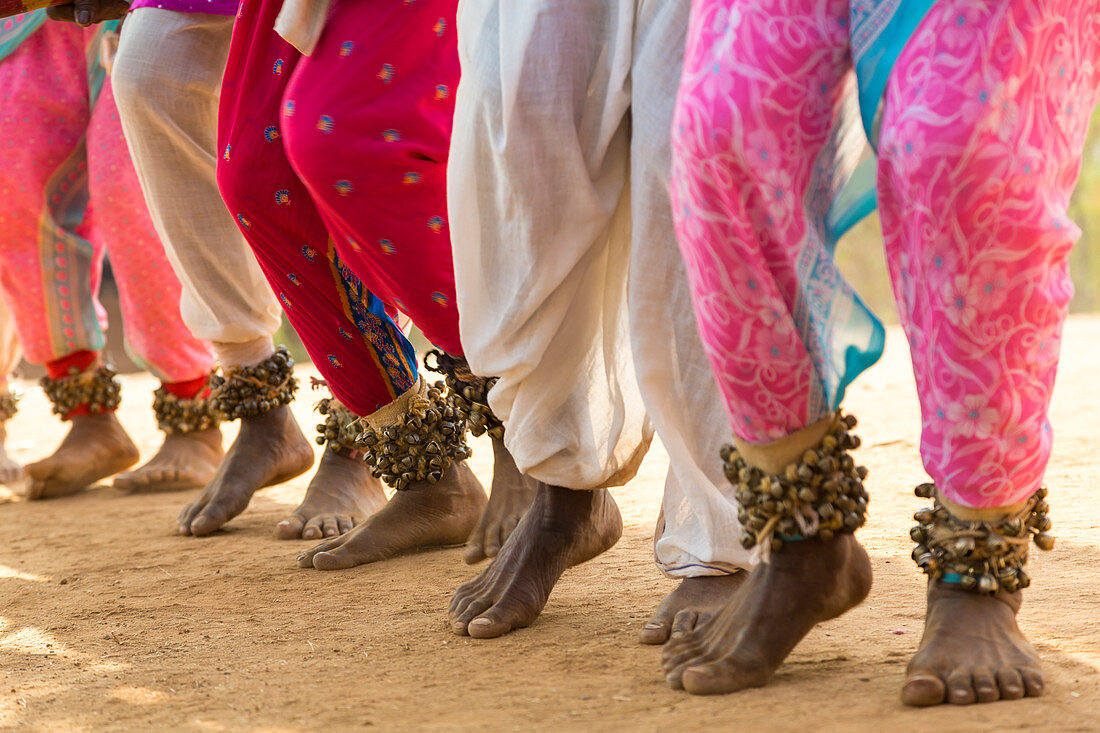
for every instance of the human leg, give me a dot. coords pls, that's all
(10, 354)
(50, 268)
(377, 172)
(753, 142)
(541, 254)
(367, 361)
(149, 296)
(167, 78)
(696, 537)
(973, 193)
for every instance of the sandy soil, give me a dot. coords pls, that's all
(109, 621)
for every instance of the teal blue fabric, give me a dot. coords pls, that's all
(14, 31)
(879, 30)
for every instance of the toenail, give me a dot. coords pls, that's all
(480, 622)
(653, 626)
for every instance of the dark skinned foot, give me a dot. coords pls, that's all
(693, 603)
(972, 651)
(340, 496)
(184, 461)
(423, 515)
(741, 646)
(10, 471)
(512, 494)
(562, 528)
(269, 450)
(96, 447)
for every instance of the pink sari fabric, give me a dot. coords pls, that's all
(334, 166)
(71, 196)
(984, 123)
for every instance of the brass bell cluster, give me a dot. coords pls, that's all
(986, 556)
(471, 392)
(9, 405)
(421, 444)
(340, 430)
(251, 391)
(175, 415)
(98, 389)
(825, 489)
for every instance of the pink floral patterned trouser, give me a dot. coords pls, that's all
(984, 123)
(70, 196)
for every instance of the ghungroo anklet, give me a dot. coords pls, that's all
(981, 556)
(251, 391)
(341, 428)
(471, 392)
(422, 443)
(180, 415)
(821, 495)
(9, 404)
(96, 389)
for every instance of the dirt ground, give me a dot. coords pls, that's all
(110, 621)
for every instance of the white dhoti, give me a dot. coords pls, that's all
(570, 283)
(167, 78)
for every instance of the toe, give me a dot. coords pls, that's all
(341, 557)
(290, 528)
(305, 560)
(345, 523)
(514, 610)
(712, 678)
(475, 544)
(209, 520)
(474, 553)
(461, 619)
(985, 687)
(1010, 683)
(492, 545)
(330, 527)
(497, 622)
(313, 529)
(960, 688)
(657, 629)
(922, 689)
(1033, 681)
(683, 623)
(187, 515)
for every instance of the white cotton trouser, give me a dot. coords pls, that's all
(10, 350)
(167, 77)
(570, 284)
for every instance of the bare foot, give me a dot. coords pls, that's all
(562, 528)
(269, 450)
(423, 515)
(512, 494)
(96, 447)
(804, 584)
(692, 604)
(972, 651)
(184, 461)
(10, 471)
(341, 494)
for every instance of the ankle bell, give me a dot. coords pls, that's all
(984, 556)
(821, 495)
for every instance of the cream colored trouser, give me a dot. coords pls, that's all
(10, 350)
(570, 283)
(167, 77)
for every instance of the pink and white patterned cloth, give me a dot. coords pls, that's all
(981, 135)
